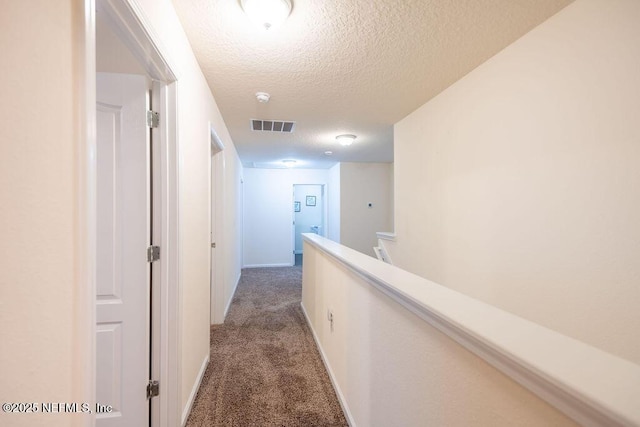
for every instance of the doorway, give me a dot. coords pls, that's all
(132, 206)
(309, 215)
(217, 173)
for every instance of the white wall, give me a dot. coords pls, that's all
(362, 184)
(268, 213)
(333, 204)
(518, 185)
(392, 368)
(42, 326)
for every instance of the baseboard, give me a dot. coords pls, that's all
(233, 293)
(267, 265)
(341, 399)
(194, 391)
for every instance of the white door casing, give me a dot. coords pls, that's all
(217, 167)
(123, 235)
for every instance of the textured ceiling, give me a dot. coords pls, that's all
(350, 66)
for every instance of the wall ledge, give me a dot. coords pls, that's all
(386, 235)
(591, 386)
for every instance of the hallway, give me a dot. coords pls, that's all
(265, 369)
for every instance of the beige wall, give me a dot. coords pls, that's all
(361, 184)
(196, 108)
(42, 347)
(43, 353)
(519, 185)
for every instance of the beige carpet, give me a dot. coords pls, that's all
(265, 369)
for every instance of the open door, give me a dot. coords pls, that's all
(308, 211)
(123, 236)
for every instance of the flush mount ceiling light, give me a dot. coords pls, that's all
(267, 13)
(346, 139)
(289, 163)
(328, 153)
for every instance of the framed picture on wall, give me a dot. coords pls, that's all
(296, 206)
(311, 200)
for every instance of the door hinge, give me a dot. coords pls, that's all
(153, 253)
(153, 119)
(153, 389)
(213, 245)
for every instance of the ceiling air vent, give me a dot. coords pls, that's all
(272, 126)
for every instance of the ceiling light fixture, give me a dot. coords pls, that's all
(289, 163)
(267, 13)
(346, 139)
(263, 97)
(328, 153)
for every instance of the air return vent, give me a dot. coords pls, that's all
(272, 126)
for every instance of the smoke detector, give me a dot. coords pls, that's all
(263, 97)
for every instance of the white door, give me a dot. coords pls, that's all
(123, 230)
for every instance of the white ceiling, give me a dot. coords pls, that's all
(349, 66)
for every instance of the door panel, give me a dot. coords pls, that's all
(109, 358)
(123, 227)
(109, 287)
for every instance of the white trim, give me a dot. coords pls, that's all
(267, 265)
(557, 368)
(386, 235)
(332, 377)
(194, 391)
(217, 171)
(382, 253)
(293, 224)
(233, 293)
(171, 295)
(85, 280)
(216, 142)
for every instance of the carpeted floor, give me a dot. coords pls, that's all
(265, 369)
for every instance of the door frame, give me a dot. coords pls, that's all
(216, 203)
(323, 197)
(128, 21)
